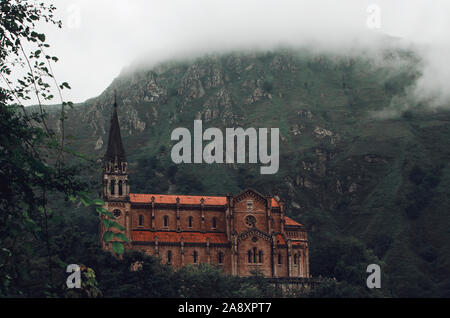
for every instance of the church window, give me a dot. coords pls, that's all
(112, 187)
(195, 257)
(254, 255)
(295, 259)
(249, 205)
(141, 220)
(120, 187)
(220, 258)
(260, 257)
(214, 221)
(249, 253)
(190, 221)
(169, 257)
(166, 221)
(279, 258)
(250, 220)
(116, 213)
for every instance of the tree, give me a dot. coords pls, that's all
(32, 155)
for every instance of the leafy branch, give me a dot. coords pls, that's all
(117, 239)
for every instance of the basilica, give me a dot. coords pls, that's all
(242, 234)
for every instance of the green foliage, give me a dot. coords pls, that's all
(335, 289)
(422, 193)
(118, 247)
(32, 156)
(89, 286)
(344, 259)
(108, 222)
(140, 275)
(149, 179)
(188, 182)
(204, 281)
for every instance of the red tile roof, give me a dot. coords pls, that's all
(172, 199)
(280, 239)
(291, 222)
(175, 237)
(275, 203)
(184, 199)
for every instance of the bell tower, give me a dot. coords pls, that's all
(115, 173)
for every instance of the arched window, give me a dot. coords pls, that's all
(220, 258)
(249, 253)
(260, 257)
(295, 259)
(169, 257)
(254, 255)
(190, 221)
(214, 221)
(141, 220)
(195, 257)
(120, 187)
(112, 186)
(279, 258)
(166, 221)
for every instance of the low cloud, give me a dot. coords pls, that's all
(433, 86)
(101, 38)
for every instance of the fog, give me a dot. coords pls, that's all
(100, 38)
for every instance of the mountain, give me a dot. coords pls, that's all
(362, 166)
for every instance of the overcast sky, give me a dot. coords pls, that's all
(101, 37)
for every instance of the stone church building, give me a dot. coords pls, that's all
(239, 233)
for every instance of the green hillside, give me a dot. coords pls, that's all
(362, 166)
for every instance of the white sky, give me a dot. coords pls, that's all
(101, 37)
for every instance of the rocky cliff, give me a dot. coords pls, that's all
(345, 170)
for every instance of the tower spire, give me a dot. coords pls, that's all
(115, 150)
(115, 177)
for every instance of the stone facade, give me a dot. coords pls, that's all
(243, 233)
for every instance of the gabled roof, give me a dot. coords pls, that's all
(280, 239)
(275, 203)
(245, 234)
(175, 237)
(254, 192)
(115, 146)
(290, 222)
